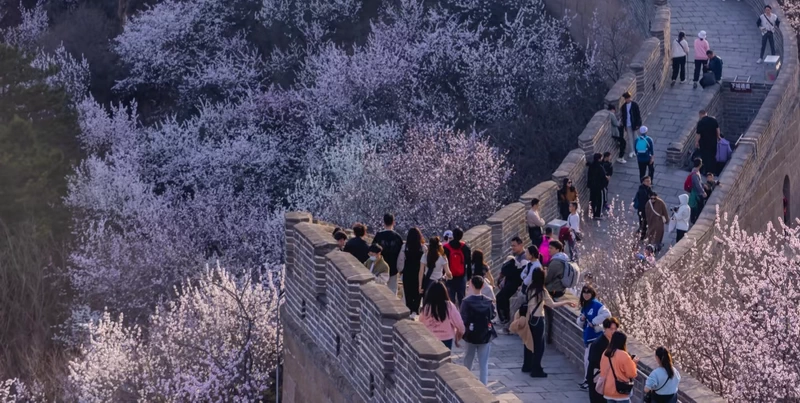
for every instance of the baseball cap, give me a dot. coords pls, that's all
(448, 234)
(643, 129)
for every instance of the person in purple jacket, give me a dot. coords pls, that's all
(724, 153)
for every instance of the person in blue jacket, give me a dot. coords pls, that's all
(593, 313)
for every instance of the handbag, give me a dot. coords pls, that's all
(649, 396)
(673, 223)
(623, 387)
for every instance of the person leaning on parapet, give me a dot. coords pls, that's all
(534, 221)
(510, 280)
(700, 57)
(341, 239)
(376, 265)
(392, 243)
(357, 246)
(631, 119)
(619, 137)
(767, 22)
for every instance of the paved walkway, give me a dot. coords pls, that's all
(510, 385)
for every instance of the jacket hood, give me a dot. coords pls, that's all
(479, 303)
(560, 256)
(684, 198)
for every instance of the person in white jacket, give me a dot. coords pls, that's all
(682, 216)
(680, 51)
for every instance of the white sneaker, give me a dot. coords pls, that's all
(631, 155)
(413, 316)
(758, 61)
(622, 161)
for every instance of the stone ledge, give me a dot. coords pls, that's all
(421, 341)
(465, 386)
(505, 213)
(389, 306)
(348, 265)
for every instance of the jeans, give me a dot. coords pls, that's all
(483, 359)
(679, 235)
(537, 331)
(698, 67)
(411, 291)
(503, 299)
(448, 343)
(586, 361)
(535, 233)
(767, 37)
(679, 64)
(646, 166)
(456, 288)
(392, 284)
(631, 138)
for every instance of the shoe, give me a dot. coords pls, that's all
(759, 61)
(694, 86)
(584, 385)
(413, 316)
(526, 369)
(541, 374)
(683, 81)
(631, 155)
(622, 161)
(672, 84)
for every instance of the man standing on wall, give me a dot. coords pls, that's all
(631, 119)
(391, 242)
(645, 153)
(459, 258)
(708, 135)
(767, 22)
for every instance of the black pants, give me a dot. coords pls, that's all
(411, 291)
(595, 397)
(504, 303)
(596, 199)
(642, 224)
(698, 67)
(646, 166)
(701, 202)
(679, 64)
(537, 332)
(767, 37)
(527, 359)
(535, 233)
(456, 288)
(679, 235)
(709, 157)
(621, 144)
(548, 313)
(563, 208)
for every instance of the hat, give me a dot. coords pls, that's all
(448, 234)
(701, 34)
(643, 129)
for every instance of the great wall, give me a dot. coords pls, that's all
(348, 339)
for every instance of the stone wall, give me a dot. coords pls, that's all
(351, 338)
(680, 151)
(740, 108)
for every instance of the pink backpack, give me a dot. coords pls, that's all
(544, 251)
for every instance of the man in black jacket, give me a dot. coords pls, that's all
(596, 350)
(356, 245)
(391, 242)
(642, 197)
(631, 120)
(597, 182)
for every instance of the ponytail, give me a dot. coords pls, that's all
(666, 361)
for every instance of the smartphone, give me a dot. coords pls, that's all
(633, 356)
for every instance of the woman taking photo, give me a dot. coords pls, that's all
(593, 313)
(440, 315)
(538, 297)
(662, 384)
(617, 365)
(408, 264)
(433, 266)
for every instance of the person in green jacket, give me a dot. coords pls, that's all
(376, 265)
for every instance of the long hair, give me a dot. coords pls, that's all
(619, 341)
(435, 301)
(587, 288)
(478, 261)
(666, 361)
(565, 186)
(537, 284)
(434, 251)
(414, 240)
(533, 250)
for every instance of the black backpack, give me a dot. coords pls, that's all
(478, 327)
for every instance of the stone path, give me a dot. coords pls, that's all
(734, 36)
(511, 385)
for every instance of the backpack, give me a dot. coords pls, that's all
(642, 148)
(636, 200)
(687, 184)
(571, 275)
(456, 261)
(478, 327)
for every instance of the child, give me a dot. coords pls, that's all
(649, 255)
(574, 224)
(609, 168)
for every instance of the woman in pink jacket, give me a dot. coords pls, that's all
(441, 316)
(700, 59)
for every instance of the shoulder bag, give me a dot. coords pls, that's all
(623, 387)
(649, 396)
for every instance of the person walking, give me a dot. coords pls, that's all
(441, 316)
(767, 22)
(680, 51)
(510, 280)
(409, 263)
(596, 350)
(459, 258)
(657, 216)
(617, 365)
(700, 58)
(538, 298)
(631, 119)
(392, 243)
(619, 137)
(662, 383)
(697, 199)
(645, 153)
(608, 167)
(435, 267)
(574, 224)
(477, 312)
(597, 181)
(377, 265)
(593, 313)
(682, 215)
(640, 202)
(566, 195)
(356, 245)
(535, 223)
(708, 136)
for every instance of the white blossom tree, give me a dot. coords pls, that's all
(33, 25)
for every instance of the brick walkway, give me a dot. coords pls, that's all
(511, 385)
